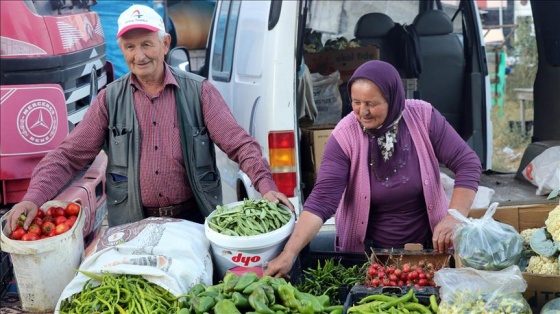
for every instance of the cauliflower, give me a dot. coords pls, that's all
(543, 265)
(527, 234)
(552, 223)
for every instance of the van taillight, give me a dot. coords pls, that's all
(282, 152)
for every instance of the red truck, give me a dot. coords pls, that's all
(52, 64)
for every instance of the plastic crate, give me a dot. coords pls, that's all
(311, 259)
(359, 292)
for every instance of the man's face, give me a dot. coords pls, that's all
(144, 52)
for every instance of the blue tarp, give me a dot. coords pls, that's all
(109, 11)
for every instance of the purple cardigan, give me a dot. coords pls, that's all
(354, 208)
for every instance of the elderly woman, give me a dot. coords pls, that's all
(380, 173)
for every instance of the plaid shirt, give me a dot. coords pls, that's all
(163, 179)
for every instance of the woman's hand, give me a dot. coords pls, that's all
(280, 266)
(27, 208)
(443, 234)
(277, 197)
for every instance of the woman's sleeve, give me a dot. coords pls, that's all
(331, 182)
(454, 152)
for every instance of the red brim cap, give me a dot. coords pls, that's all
(133, 26)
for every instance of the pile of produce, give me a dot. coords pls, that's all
(122, 294)
(313, 42)
(486, 244)
(52, 222)
(249, 294)
(468, 302)
(543, 246)
(418, 275)
(382, 303)
(329, 278)
(253, 217)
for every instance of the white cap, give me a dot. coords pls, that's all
(139, 16)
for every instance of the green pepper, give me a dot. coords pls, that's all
(403, 299)
(306, 307)
(196, 289)
(183, 311)
(269, 292)
(202, 304)
(251, 287)
(246, 279)
(241, 301)
(212, 294)
(216, 288)
(417, 307)
(226, 306)
(334, 308)
(230, 280)
(433, 303)
(337, 311)
(315, 303)
(278, 307)
(259, 302)
(325, 300)
(286, 294)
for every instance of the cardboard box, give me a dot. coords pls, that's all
(540, 288)
(312, 145)
(345, 61)
(313, 142)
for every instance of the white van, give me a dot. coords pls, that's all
(256, 48)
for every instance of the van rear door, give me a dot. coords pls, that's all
(252, 63)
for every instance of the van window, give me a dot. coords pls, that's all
(222, 58)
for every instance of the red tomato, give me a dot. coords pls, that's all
(47, 227)
(71, 220)
(30, 237)
(34, 228)
(59, 212)
(51, 233)
(18, 233)
(40, 214)
(72, 209)
(59, 219)
(37, 220)
(50, 211)
(61, 228)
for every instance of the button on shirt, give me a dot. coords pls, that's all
(163, 180)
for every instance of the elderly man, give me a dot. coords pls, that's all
(159, 125)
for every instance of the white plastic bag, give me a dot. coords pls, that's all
(544, 171)
(485, 243)
(467, 290)
(172, 253)
(481, 199)
(327, 98)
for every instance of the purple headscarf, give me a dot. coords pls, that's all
(386, 77)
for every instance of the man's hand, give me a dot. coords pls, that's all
(277, 197)
(27, 208)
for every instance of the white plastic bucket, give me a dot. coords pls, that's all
(246, 252)
(43, 268)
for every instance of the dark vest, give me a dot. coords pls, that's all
(123, 149)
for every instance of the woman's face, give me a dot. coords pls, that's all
(368, 104)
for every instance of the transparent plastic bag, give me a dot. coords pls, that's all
(486, 244)
(468, 290)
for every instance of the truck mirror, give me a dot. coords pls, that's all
(179, 57)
